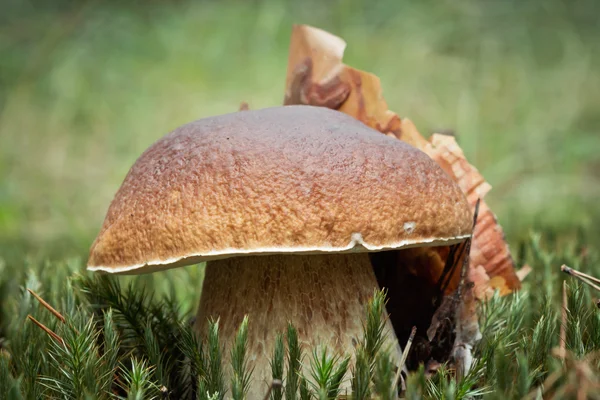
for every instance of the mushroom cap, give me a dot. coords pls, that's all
(288, 179)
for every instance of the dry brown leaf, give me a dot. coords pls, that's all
(449, 155)
(314, 68)
(317, 76)
(481, 280)
(489, 249)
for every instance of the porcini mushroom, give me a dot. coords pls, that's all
(283, 204)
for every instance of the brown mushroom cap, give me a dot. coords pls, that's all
(293, 179)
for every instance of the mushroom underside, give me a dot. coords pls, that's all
(322, 295)
(417, 282)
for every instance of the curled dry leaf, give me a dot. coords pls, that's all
(314, 72)
(317, 76)
(489, 249)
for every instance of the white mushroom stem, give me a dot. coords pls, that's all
(323, 296)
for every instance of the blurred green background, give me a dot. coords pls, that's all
(85, 87)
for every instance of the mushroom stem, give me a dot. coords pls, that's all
(322, 295)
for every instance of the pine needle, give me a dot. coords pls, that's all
(47, 330)
(48, 306)
(409, 342)
(585, 278)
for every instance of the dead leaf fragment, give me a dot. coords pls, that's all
(446, 152)
(523, 272)
(489, 249)
(317, 76)
(313, 76)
